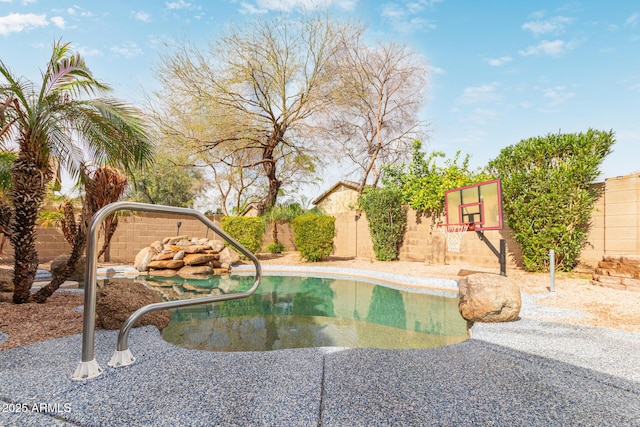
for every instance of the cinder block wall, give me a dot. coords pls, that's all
(422, 242)
(615, 230)
(138, 231)
(621, 220)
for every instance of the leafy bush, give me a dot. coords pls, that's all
(275, 248)
(423, 182)
(313, 235)
(387, 220)
(248, 231)
(548, 193)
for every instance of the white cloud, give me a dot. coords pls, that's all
(85, 51)
(554, 25)
(78, 11)
(19, 22)
(633, 20)
(141, 16)
(58, 21)
(436, 70)
(635, 87)
(128, 50)
(246, 8)
(403, 17)
(557, 94)
(551, 48)
(497, 62)
(480, 94)
(265, 6)
(181, 4)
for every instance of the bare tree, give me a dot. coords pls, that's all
(258, 89)
(379, 96)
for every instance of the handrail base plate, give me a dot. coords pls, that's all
(86, 370)
(121, 358)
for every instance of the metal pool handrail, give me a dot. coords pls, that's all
(88, 367)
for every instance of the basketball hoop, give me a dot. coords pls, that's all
(453, 234)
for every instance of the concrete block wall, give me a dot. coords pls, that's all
(138, 231)
(285, 236)
(50, 242)
(422, 242)
(621, 219)
(614, 231)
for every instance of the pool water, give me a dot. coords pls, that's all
(294, 312)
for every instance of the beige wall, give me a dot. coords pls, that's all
(341, 199)
(615, 230)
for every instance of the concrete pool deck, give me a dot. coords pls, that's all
(523, 373)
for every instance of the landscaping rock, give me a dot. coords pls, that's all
(197, 270)
(216, 245)
(488, 297)
(199, 259)
(164, 255)
(116, 301)
(143, 258)
(61, 260)
(6, 279)
(228, 256)
(172, 264)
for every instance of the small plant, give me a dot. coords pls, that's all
(248, 231)
(313, 235)
(275, 248)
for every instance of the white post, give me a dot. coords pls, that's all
(552, 269)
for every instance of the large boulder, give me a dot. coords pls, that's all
(61, 260)
(488, 297)
(228, 256)
(116, 301)
(144, 257)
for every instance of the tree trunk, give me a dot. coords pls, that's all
(64, 273)
(29, 183)
(269, 165)
(110, 226)
(274, 231)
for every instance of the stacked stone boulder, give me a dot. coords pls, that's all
(186, 256)
(618, 272)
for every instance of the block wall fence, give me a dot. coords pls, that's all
(615, 230)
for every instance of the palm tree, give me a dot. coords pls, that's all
(62, 122)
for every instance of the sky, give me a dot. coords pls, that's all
(500, 70)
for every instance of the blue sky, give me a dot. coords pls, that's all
(501, 70)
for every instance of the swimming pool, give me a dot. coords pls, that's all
(304, 311)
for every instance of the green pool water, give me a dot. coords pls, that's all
(294, 312)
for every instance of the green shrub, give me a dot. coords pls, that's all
(387, 220)
(313, 235)
(422, 183)
(275, 248)
(248, 231)
(548, 193)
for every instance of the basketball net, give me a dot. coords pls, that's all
(453, 235)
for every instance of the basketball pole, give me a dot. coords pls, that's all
(502, 254)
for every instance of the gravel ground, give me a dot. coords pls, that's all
(530, 372)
